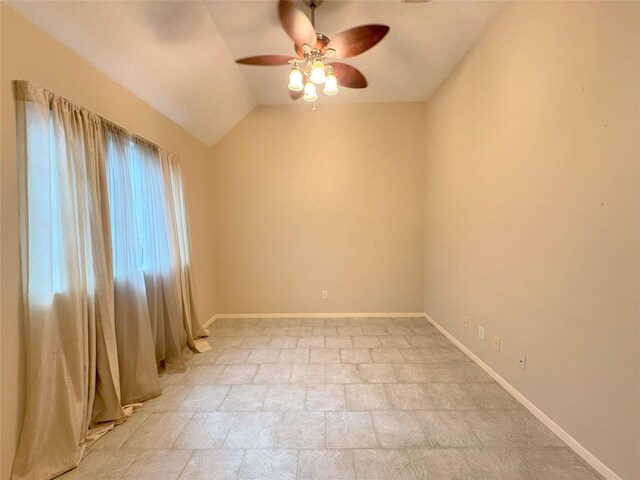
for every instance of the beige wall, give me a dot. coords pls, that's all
(28, 53)
(532, 207)
(330, 199)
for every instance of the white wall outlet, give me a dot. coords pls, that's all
(465, 321)
(325, 294)
(496, 343)
(481, 333)
(522, 361)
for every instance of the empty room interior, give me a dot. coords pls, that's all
(320, 240)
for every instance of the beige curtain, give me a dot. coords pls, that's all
(72, 375)
(172, 176)
(107, 291)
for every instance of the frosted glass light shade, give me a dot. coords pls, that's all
(310, 94)
(330, 85)
(296, 82)
(317, 72)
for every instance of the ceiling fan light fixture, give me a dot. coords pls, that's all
(330, 84)
(296, 80)
(310, 94)
(317, 72)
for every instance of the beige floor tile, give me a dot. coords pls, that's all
(322, 398)
(411, 373)
(171, 398)
(205, 430)
(355, 355)
(498, 464)
(201, 375)
(325, 331)
(387, 355)
(366, 397)
(253, 430)
(256, 342)
(349, 331)
(495, 429)
(327, 465)
(350, 430)
(102, 465)
(387, 464)
(374, 330)
(284, 342)
(233, 356)
(270, 464)
(249, 398)
(393, 341)
(448, 396)
(491, 395)
(308, 374)
(311, 342)
(399, 430)
(294, 356)
(418, 355)
(324, 355)
(336, 322)
(558, 464)
(404, 403)
(448, 428)
(261, 356)
(408, 396)
(313, 322)
(120, 433)
(302, 430)
(285, 398)
(237, 374)
(158, 431)
(343, 373)
(377, 373)
(444, 373)
(204, 398)
(273, 374)
(338, 342)
(541, 435)
(366, 341)
(473, 373)
(420, 341)
(441, 464)
(213, 464)
(158, 465)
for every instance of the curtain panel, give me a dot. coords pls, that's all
(106, 287)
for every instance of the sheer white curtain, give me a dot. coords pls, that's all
(72, 373)
(136, 350)
(107, 292)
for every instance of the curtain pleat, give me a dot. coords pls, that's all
(106, 285)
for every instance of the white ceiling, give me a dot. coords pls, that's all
(178, 56)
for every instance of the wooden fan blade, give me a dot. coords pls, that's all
(265, 60)
(295, 95)
(296, 24)
(349, 76)
(356, 40)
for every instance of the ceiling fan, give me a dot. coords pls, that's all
(311, 65)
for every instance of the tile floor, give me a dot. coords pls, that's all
(334, 399)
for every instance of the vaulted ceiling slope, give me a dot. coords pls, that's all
(179, 56)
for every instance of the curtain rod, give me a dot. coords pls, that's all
(28, 91)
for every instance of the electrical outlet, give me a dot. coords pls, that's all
(522, 361)
(465, 321)
(496, 343)
(481, 333)
(325, 294)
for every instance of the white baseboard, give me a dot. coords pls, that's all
(313, 315)
(588, 457)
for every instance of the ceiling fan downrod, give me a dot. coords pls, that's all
(313, 4)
